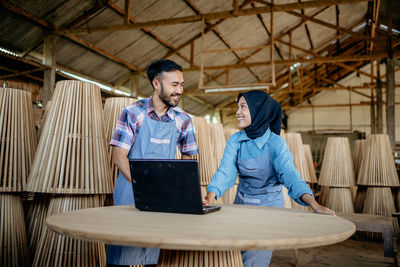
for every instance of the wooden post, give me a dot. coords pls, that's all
(201, 82)
(379, 111)
(134, 84)
(351, 111)
(49, 61)
(390, 83)
(271, 47)
(192, 54)
(127, 12)
(373, 119)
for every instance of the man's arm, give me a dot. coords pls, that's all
(183, 156)
(120, 158)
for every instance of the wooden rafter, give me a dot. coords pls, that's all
(214, 15)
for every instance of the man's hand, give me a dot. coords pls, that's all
(120, 158)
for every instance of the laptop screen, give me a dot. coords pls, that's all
(166, 185)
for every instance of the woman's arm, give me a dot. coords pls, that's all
(317, 208)
(226, 174)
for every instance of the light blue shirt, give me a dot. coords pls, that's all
(282, 161)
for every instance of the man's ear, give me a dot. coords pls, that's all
(156, 83)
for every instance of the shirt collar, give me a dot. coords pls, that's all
(150, 108)
(259, 141)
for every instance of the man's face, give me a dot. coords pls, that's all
(169, 87)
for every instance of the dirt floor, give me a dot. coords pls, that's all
(350, 253)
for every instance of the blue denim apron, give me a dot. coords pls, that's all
(258, 185)
(156, 140)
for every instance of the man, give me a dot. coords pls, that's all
(150, 128)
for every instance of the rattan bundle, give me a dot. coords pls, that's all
(340, 200)
(35, 220)
(178, 258)
(207, 162)
(217, 141)
(295, 145)
(287, 201)
(310, 163)
(112, 110)
(230, 195)
(54, 249)
(228, 132)
(13, 242)
(358, 152)
(377, 165)
(72, 155)
(337, 167)
(17, 139)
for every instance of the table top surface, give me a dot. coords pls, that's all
(234, 227)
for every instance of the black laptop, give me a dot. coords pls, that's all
(168, 185)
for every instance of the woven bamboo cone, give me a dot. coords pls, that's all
(112, 110)
(207, 162)
(178, 258)
(54, 249)
(13, 242)
(377, 164)
(17, 139)
(35, 220)
(218, 141)
(324, 196)
(340, 200)
(310, 163)
(358, 152)
(71, 157)
(337, 167)
(295, 145)
(360, 199)
(379, 201)
(46, 112)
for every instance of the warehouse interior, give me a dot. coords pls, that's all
(333, 66)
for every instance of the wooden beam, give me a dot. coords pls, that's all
(101, 51)
(329, 25)
(213, 16)
(19, 11)
(15, 74)
(377, 55)
(127, 12)
(27, 75)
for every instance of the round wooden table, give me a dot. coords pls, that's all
(213, 239)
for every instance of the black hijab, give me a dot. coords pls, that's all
(264, 111)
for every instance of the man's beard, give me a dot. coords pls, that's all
(166, 99)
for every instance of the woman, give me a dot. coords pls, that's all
(264, 163)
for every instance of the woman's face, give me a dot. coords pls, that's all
(243, 114)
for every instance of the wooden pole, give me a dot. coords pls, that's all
(390, 80)
(379, 111)
(372, 101)
(49, 61)
(201, 82)
(271, 47)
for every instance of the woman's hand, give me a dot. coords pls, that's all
(317, 208)
(209, 199)
(322, 210)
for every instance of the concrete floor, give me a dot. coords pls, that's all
(349, 253)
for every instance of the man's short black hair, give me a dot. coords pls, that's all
(159, 66)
